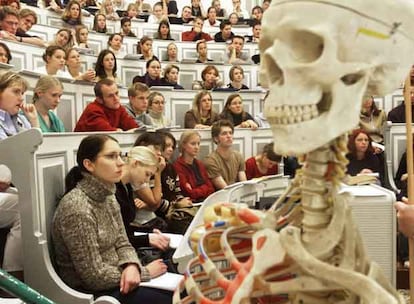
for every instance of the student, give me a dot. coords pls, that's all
(106, 66)
(194, 181)
(152, 75)
(88, 207)
(107, 9)
(132, 11)
(28, 18)
(234, 112)
(106, 112)
(54, 58)
(5, 55)
(171, 77)
(236, 75)
(266, 4)
(144, 47)
(237, 9)
(73, 64)
(126, 27)
(46, 98)
(158, 14)
(235, 51)
(171, 53)
(225, 33)
(115, 45)
(196, 32)
(225, 166)
(81, 35)
(372, 119)
(72, 14)
(265, 163)
(99, 23)
(156, 106)
(197, 9)
(210, 79)
(163, 32)
(202, 115)
(64, 39)
(138, 104)
(201, 48)
(256, 32)
(233, 19)
(185, 18)
(12, 121)
(211, 21)
(257, 13)
(221, 12)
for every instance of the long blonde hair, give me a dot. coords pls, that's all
(44, 84)
(144, 155)
(185, 137)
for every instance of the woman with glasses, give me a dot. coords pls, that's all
(156, 106)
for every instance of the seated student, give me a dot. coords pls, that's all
(221, 12)
(54, 5)
(156, 106)
(266, 4)
(172, 54)
(126, 27)
(72, 14)
(257, 14)
(143, 7)
(119, 5)
(256, 32)
(89, 208)
(194, 181)
(401, 177)
(372, 119)
(185, 18)
(362, 159)
(144, 47)
(173, 202)
(158, 14)
(211, 20)
(397, 114)
(106, 112)
(28, 18)
(14, 4)
(163, 32)
(234, 112)
(225, 33)
(46, 98)
(73, 64)
(237, 9)
(265, 163)
(115, 45)
(233, 19)
(54, 58)
(210, 79)
(106, 66)
(202, 115)
(197, 9)
(196, 32)
(225, 166)
(81, 36)
(132, 11)
(99, 23)
(10, 218)
(236, 75)
(152, 76)
(138, 104)
(64, 39)
(235, 51)
(171, 77)
(201, 48)
(107, 9)
(140, 165)
(12, 121)
(5, 54)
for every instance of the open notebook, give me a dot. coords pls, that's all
(167, 281)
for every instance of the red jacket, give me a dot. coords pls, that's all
(252, 171)
(188, 182)
(97, 117)
(194, 36)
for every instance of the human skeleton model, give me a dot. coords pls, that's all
(318, 59)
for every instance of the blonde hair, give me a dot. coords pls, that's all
(144, 155)
(44, 84)
(10, 78)
(185, 137)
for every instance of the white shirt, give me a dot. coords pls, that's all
(60, 73)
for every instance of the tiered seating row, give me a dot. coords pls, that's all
(29, 57)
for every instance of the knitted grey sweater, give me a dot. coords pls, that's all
(89, 238)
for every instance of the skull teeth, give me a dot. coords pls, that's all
(285, 114)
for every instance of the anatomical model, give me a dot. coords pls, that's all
(318, 58)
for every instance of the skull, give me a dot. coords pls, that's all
(319, 58)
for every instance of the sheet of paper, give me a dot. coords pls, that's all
(175, 239)
(364, 190)
(167, 281)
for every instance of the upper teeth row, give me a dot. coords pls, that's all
(291, 114)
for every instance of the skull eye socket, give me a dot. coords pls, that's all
(350, 79)
(274, 72)
(304, 46)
